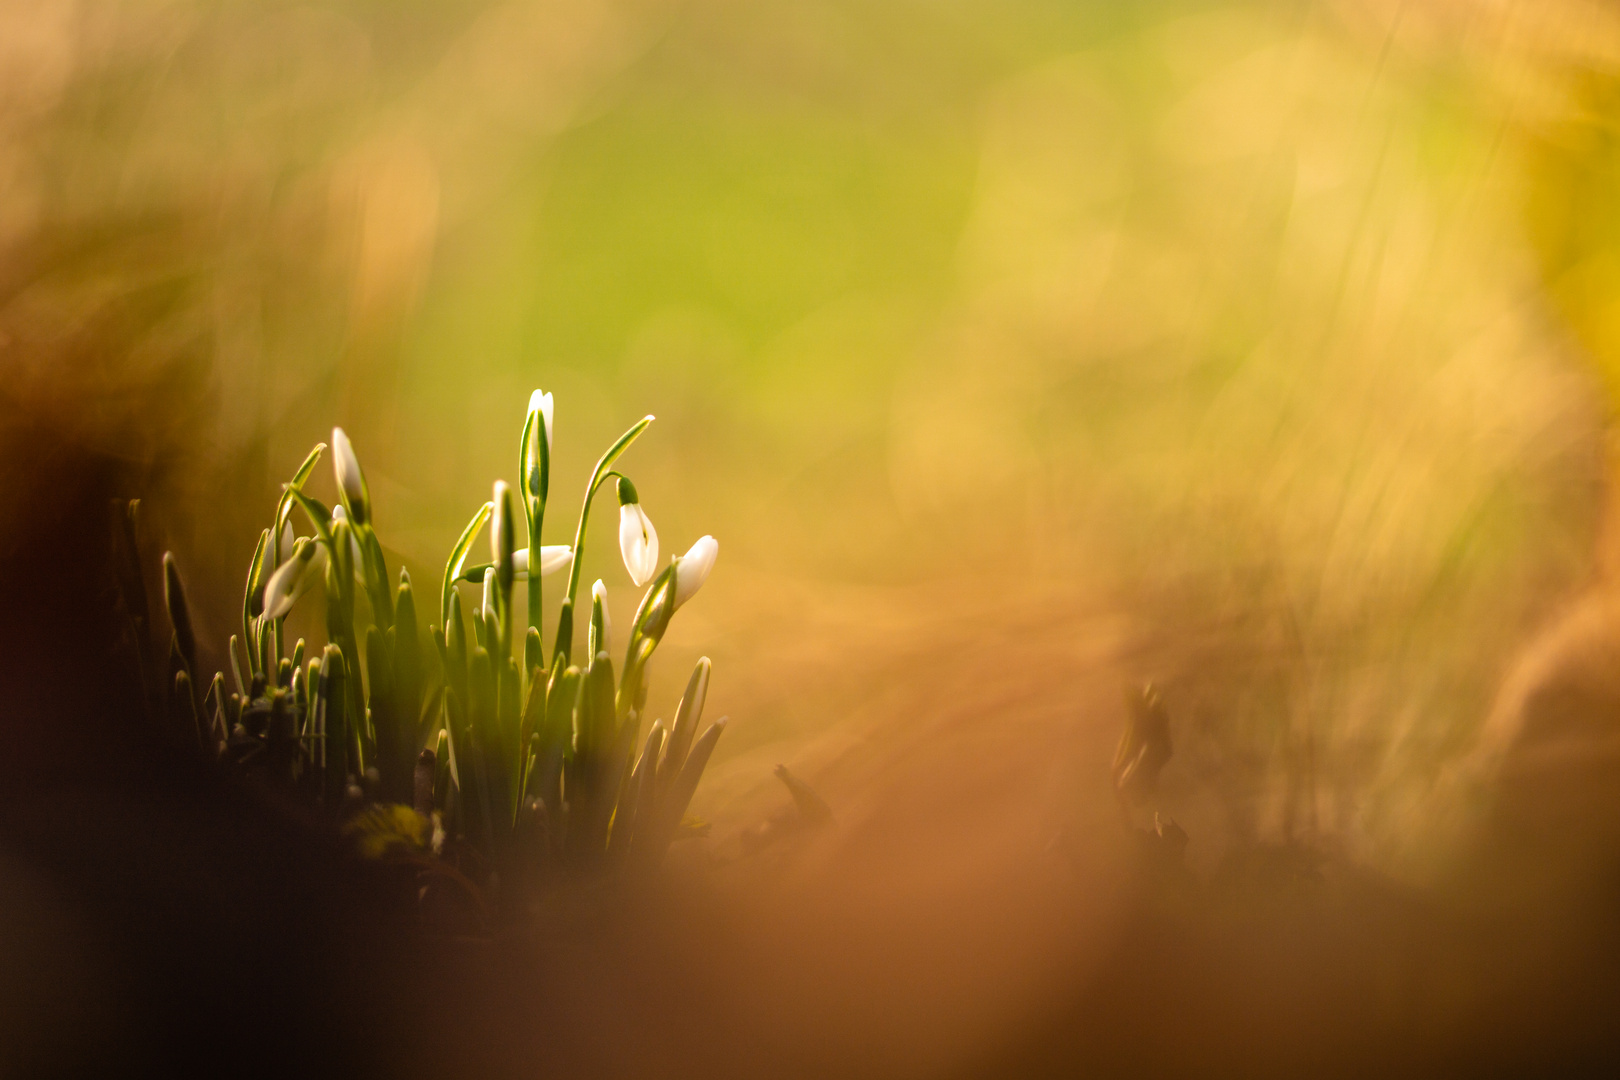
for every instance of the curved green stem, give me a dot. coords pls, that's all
(603, 467)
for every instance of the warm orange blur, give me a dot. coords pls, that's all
(1018, 354)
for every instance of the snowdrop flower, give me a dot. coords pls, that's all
(553, 557)
(349, 478)
(693, 568)
(638, 540)
(293, 577)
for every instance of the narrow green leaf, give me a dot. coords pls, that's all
(458, 558)
(253, 595)
(684, 729)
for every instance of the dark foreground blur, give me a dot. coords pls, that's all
(977, 908)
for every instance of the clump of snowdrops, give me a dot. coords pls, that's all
(455, 740)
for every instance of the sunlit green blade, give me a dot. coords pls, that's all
(253, 596)
(458, 558)
(174, 599)
(684, 729)
(395, 758)
(332, 724)
(638, 794)
(239, 660)
(679, 797)
(428, 719)
(308, 466)
(285, 504)
(375, 573)
(534, 709)
(188, 720)
(533, 659)
(422, 781)
(565, 634)
(409, 676)
(443, 775)
(456, 649)
(320, 518)
(556, 735)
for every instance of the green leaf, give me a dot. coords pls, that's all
(458, 558)
(687, 716)
(308, 466)
(679, 797)
(320, 518)
(253, 597)
(332, 724)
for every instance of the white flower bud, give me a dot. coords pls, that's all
(693, 568)
(292, 578)
(349, 478)
(541, 403)
(553, 557)
(288, 539)
(638, 540)
(599, 599)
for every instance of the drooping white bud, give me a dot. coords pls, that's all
(693, 568)
(638, 540)
(293, 577)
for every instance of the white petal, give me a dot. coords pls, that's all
(292, 578)
(288, 539)
(346, 466)
(555, 557)
(693, 568)
(339, 514)
(278, 592)
(638, 543)
(541, 403)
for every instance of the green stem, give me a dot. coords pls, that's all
(537, 517)
(602, 468)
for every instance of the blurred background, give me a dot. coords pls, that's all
(1015, 351)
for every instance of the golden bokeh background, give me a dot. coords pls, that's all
(1013, 351)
